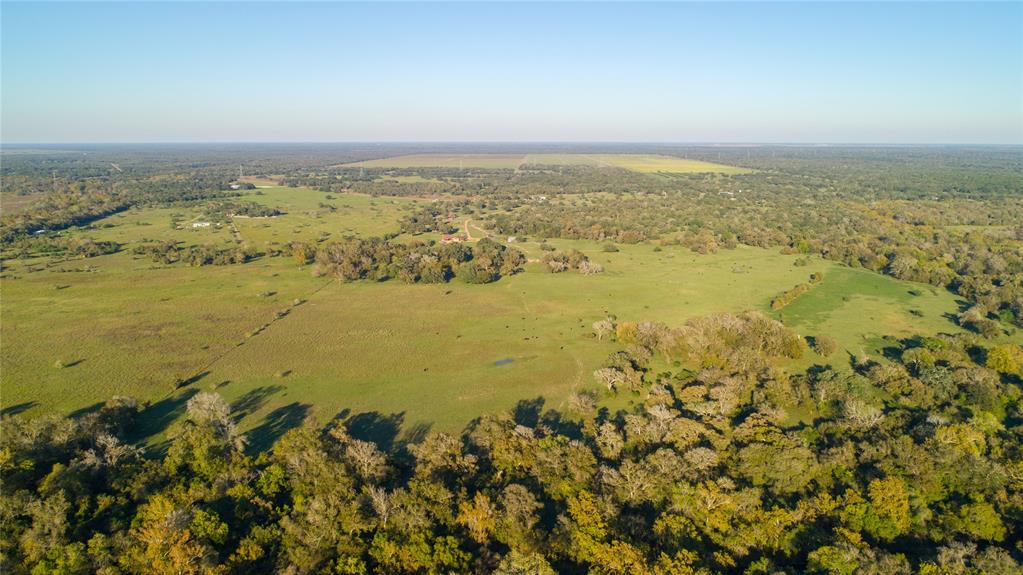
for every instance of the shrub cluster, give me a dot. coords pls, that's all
(791, 295)
(377, 259)
(557, 262)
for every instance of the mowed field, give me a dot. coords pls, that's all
(414, 356)
(644, 163)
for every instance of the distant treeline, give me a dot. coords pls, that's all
(85, 201)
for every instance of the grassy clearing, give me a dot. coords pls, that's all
(133, 327)
(310, 214)
(436, 354)
(432, 360)
(858, 307)
(129, 327)
(156, 224)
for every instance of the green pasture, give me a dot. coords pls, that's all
(420, 356)
(122, 325)
(140, 225)
(308, 215)
(311, 214)
(858, 308)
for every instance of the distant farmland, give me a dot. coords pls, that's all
(644, 163)
(486, 161)
(649, 163)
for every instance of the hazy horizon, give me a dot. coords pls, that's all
(689, 73)
(517, 143)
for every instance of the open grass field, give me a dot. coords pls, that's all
(445, 353)
(129, 327)
(644, 163)
(308, 215)
(858, 307)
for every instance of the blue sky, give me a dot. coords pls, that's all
(686, 72)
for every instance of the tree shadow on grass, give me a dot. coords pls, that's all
(388, 432)
(156, 418)
(275, 424)
(527, 411)
(86, 410)
(530, 413)
(193, 379)
(253, 400)
(414, 434)
(17, 408)
(376, 427)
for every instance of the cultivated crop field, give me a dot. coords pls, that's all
(643, 163)
(647, 163)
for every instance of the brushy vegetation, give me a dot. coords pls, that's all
(790, 295)
(378, 260)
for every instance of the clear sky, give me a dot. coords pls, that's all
(687, 72)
